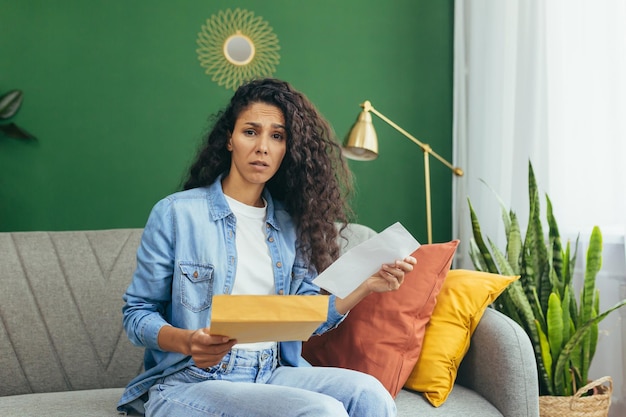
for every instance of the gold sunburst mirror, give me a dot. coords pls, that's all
(235, 46)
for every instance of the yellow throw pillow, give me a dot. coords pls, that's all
(460, 305)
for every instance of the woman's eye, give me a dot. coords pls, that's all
(277, 136)
(249, 132)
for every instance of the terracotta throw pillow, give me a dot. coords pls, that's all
(383, 334)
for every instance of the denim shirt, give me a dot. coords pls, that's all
(186, 255)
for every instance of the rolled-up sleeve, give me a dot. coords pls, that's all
(334, 317)
(149, 292)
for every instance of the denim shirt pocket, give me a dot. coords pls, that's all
(196, 285)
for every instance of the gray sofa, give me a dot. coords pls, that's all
(63, 351)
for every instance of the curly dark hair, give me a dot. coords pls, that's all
(313, 181)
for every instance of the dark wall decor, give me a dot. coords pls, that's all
(10, 104)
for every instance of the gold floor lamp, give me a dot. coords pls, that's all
(361, 144)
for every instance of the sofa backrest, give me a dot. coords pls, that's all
(352, 235)
(60, 310)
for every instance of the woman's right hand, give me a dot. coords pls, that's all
(208, 350)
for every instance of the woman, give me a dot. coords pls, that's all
(257, 217)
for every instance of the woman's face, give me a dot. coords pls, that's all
(257, 144)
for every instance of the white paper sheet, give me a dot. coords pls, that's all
(365, 259)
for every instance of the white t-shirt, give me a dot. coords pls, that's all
(254, 274)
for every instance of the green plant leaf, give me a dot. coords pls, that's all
(535, 255)
(514, 244)
(594, 329)
(511, 231)
(589, 347)
(555, 282)
(546, 357)
(566, 315)
(480, 243)
(592, 267)
(555, 244)
(506, 220)
(572, 262)
(554, 321)
(529, 324)
(576, 339)
(477, 257)
(505, 304)
(503, 264)
(572, 369)
(568, 330)
(537, 311)
(569, 262)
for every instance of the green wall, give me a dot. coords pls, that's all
(117, 98)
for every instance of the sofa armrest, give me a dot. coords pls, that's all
(500, 365)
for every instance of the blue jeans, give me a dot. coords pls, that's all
(247, 384)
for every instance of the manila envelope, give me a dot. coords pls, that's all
(264, 318)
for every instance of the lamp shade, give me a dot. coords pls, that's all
(361, 144)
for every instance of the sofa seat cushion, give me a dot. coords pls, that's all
(461, 402)
(102, 403)
(85, 403)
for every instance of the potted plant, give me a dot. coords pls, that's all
(563, 329)
(10, 103)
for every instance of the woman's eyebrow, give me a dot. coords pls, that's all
(257, 124)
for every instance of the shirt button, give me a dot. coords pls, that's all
(271, 239)
(280, 292)
(195, 274)
(279, 264)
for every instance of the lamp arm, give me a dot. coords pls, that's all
(427, 150)
(367, 106)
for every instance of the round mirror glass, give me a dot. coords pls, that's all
(235, 46)
(239, 49)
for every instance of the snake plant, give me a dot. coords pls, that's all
(10, 103)
(563, 328)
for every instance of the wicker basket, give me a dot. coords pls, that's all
(596, 405)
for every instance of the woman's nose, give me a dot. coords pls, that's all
(262, 146)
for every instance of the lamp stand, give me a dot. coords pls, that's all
(367, 107)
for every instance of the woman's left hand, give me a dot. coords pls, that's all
(390, 276)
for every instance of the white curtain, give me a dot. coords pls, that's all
(499, 121)
(545, 81)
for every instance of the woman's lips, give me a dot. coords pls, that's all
(259, 164)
